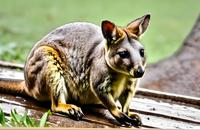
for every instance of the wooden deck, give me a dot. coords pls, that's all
(157, 109)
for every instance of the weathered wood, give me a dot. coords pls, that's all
(11, 65)
(183, 99)
(53, 120)
(154, 113)
(180, 73)
(167, 110)
(14, 73)
(157, 109)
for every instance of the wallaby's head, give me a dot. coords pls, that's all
(123, 51)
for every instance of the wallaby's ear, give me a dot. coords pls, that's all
(139, 25)
(110, 31)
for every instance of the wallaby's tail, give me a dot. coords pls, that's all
(13, 86)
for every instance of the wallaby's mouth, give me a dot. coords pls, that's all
(131, 73)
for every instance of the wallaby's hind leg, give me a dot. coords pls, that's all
(48, 83)
(58, 89)
(59, 102)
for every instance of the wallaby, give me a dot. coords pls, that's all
(80, 63)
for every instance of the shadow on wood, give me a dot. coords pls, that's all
(179, 73)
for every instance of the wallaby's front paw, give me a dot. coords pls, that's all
(136, 118)
(129, 121)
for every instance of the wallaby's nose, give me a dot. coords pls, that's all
(139, 72)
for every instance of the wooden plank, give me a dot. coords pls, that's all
(166, 123)
(153, 113)
(171, 97)
(11, 73)
(162, 109)
(4, 64)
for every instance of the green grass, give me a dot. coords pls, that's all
(24, 22)
(17, 120)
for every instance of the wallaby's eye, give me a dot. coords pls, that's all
(123, 54)
(142, 52)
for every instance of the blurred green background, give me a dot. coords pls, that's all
(24, 22)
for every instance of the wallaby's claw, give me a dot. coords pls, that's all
(70, 110)
(136, 118)
(75, 113)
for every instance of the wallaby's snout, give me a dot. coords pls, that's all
(139, 72)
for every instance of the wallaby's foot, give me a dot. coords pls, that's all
(70, 110)
(133, 120)
(137, 119)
